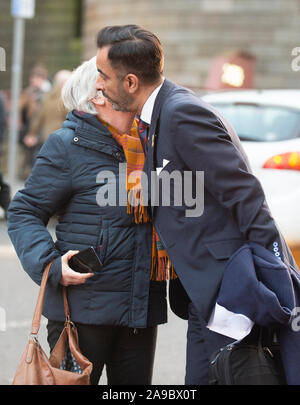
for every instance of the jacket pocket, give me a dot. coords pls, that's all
(102, 243)
(223, 249)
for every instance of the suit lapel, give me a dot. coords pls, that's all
(160, 99)
(153, 134)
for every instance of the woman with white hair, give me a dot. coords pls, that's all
(116, 309)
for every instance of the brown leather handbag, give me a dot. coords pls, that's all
(66, 364)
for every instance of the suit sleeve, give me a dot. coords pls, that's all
(46, 190)
(204, 144)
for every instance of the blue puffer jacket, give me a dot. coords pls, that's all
(65, 182)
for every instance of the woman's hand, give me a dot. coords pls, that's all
(69, 276)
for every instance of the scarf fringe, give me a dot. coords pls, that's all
(134, 206)
(161, 267)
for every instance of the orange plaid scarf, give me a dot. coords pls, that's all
(161, 266)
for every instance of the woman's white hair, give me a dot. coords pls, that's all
(81, 87)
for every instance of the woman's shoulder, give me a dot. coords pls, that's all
(57, 143)
(61, 136)
(64, 134)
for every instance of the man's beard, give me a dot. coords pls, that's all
(119, 106)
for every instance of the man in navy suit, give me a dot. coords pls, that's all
(187, 135)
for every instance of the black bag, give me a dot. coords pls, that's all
(255, 360)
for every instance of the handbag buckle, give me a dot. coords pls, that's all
(33, 336)
(68, 321)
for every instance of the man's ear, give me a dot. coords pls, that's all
(131, 83)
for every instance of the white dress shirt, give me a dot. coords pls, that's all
(228, 323)
(147, 109)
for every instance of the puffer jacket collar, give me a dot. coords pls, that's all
(91, 133)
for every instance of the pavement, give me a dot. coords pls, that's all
(18, 294)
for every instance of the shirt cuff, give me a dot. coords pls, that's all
(224, 322)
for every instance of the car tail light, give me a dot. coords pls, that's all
(287, 161)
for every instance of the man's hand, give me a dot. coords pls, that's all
(69, 276)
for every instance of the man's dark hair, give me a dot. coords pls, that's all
(133, 50)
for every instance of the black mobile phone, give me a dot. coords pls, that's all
(86, 261)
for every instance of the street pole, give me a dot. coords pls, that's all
(20, 9)
(16, 79)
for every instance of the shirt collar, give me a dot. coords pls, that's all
(147, 109)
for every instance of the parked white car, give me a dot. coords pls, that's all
(268, 124)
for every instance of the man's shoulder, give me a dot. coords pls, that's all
(185, 105)
(181, 100)
(180, 97)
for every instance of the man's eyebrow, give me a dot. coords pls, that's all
(102, 73)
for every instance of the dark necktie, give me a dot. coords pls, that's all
(143, 129)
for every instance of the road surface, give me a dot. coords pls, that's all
(18, 294)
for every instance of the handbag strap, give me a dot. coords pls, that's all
(35, 326)
(66, 305)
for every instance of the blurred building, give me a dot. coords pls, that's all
(194, 32)
(52, 37)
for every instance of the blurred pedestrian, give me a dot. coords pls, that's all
(50, 115)
(116, 310)
(4, 188)
(29, 104)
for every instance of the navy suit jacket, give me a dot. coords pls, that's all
(193, 136)
(258, 285)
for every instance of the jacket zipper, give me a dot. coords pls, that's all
(132, 288)
(227, 373)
